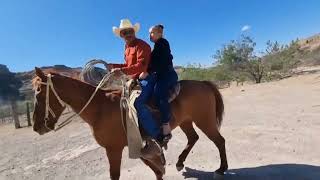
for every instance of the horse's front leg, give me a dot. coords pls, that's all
(114, 157)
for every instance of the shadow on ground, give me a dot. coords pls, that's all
(272, 172)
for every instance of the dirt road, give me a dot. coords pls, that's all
(272, 131)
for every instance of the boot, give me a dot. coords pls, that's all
(166, 131)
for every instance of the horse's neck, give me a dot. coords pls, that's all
(76, 94)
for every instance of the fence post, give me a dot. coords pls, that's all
(28, 115)
(14, 111)
(2, 117)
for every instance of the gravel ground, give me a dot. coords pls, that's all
(272, 131)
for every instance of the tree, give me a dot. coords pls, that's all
(282, 58)
(256, 68)
(273, 47)
(236, 53)
(9, 91)
(240, 58)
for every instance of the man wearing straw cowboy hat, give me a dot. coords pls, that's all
(137, 57)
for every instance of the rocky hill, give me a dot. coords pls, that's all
(310, 43)
(26, 77)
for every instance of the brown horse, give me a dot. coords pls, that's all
(199, 102)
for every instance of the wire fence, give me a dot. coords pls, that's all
(23, 109)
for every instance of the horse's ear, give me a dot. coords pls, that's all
(40, 74)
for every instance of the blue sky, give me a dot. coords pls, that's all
(48, 32)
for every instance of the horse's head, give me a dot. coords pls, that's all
(48, 106)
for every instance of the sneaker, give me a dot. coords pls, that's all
(167, 137)
(165, 141)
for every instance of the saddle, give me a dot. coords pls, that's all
(135, 133)
(133, 86)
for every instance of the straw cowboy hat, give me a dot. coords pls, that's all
(125, 24)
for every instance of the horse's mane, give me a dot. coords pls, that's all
(72, 73)
(36, 81)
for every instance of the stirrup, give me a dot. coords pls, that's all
(152, 148)
(165, 141)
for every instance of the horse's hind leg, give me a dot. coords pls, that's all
(157, 172)
(192, 137)
(211, 130)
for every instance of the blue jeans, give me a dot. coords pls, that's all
(145, 117)
(164, 83)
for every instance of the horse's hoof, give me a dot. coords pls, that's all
(217, 176)
(179, 167)
(163, 170)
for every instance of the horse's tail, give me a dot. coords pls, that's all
(219, 102)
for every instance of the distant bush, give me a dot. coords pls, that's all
(311, 58)
(239, 61)
(218, 74)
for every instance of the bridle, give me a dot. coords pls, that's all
(48, 109)
(49, 85)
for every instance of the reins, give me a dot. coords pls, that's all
(48, 110)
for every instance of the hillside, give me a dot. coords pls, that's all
(26, 77)
(310, 43)
(310, 57)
